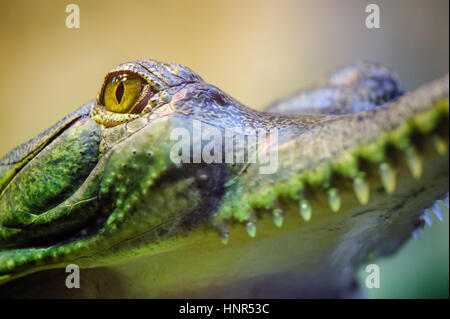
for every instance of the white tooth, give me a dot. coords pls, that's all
(416, 234)
(251, 229)
(436, 208)
(388, 177)
(362, 190)
(224, 238)
(414, 162)
(305, 209)
(277, 217)
(445, 200)
(427, 217)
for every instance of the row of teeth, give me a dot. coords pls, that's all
(388, 176)
(436, 209)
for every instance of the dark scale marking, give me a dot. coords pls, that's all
(367, 211)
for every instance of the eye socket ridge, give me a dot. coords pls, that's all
(125, 92)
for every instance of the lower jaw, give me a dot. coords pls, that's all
(318, 258)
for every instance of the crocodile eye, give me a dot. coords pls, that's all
(126, 93)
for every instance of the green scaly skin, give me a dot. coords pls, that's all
(100, 190)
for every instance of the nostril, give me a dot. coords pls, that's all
(218, 98)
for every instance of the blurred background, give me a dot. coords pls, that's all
(257, 51)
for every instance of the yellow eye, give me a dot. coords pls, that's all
(126, 93)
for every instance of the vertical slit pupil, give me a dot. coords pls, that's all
(119, 92)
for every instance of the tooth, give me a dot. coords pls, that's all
(362, 190)
(416, 233)
(445, 200)
(224, 238)
(305, 209)
(414, 162)
(388, 177)
(427, 217)
(440, 145)
(334, 200)
(437, 210)
(251, 229)
(278, 218)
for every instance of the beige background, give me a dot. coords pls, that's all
(257, 51)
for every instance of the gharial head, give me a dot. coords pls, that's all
(144, 177)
